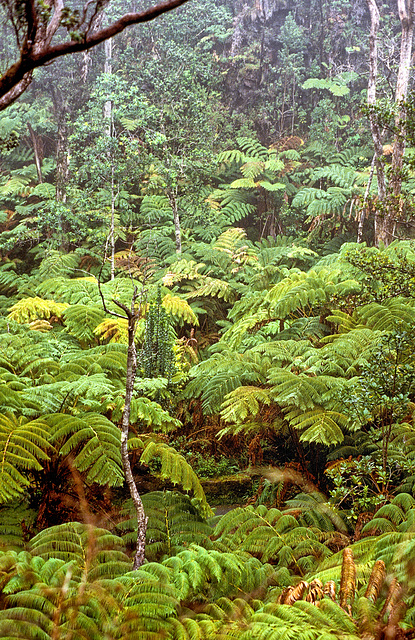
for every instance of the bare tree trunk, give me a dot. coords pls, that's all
(125, 425)
(108, 120)
(371, 100)
(176, 218)
(37, 150)
(108, 71)
(132, 315)
(364, 203)
(62, 154)
(406, 14)
(390, 196)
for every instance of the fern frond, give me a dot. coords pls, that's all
(113, 330)
(180, 309)
(243, 402)
(320, 426)
(174, 522)
(216, 288)
(81, 321)
(29, 310)
(176, 469)
(74, 541)
(23, 447)
(95, 442)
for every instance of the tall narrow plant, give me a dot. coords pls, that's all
(132, 314)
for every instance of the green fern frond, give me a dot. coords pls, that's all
(270, 535)
(174, 522)
(95, 442)
(320, 426)
(76, 291)
(81, 321)
(220, 375)
(341, 176)
(176, 469)
(150, 413)
(233, 156)
(243, 402)
(252, 168)
(16, 520)
(215, 288)
(86, 547)
(253, 148)
(23, 447)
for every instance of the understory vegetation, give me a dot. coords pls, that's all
(192, 267)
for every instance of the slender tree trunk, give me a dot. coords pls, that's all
(62, 156)
(112, 225)
(406, 14)
(176, 218)
(108, 71)
(108, 120)
(37, 150)
(371, 100)
(364, 203)
(125, 425)
(132, 315)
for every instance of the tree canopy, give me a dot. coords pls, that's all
(35, 26)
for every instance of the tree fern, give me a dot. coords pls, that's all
(243, 402)
(112, 330)
(30, 309)
(221, 374)
(271, 536)
(82, 291)
(17, 521)
(174, 522)
(23, 448)
(146, 412)
(174, 467)
(179, 309)
(204, 574)
(94, 442)
(49, 602)
(95, 553)
(81, 321)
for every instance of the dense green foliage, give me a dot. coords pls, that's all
(216, 174)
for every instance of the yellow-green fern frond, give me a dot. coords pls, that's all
(183, 270)
(180, 309)
(31, 309)
(40, 325)
(113, 330)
